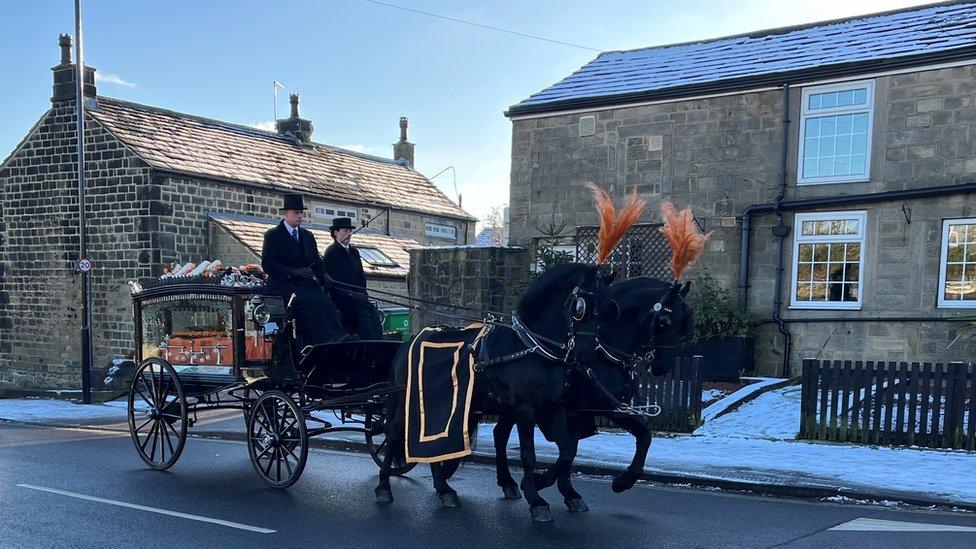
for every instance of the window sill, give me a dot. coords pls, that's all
(961, 305)
(825, 307)
(814, 182)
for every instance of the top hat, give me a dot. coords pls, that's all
(341, 223)
(293, 201)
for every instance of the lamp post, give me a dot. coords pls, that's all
(84, 266)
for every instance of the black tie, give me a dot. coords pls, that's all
(295, 234)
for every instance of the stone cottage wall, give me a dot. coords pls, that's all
(722, 154)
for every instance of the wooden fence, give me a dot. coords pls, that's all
(889, 403)
(678, 393)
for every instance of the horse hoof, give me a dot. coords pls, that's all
(451, 501)
(623, 482)
(384, 495)
(576, 506)
(511, 492)
(541, 513)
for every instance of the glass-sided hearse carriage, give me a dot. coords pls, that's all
(220, 343)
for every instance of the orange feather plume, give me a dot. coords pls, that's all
(686, 240)
(614, 227)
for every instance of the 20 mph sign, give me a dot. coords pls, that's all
(85, 265)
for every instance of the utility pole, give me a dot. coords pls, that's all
(84, 266)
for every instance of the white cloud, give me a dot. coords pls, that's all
(105, 78)
(267, 125)
(356, 148)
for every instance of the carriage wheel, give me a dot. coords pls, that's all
(377, 445)
(157, 414)
(276, 439)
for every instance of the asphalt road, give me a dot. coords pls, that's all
(82, 488)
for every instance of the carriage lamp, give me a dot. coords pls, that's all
(261, 315)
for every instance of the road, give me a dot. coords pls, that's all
(86, 488)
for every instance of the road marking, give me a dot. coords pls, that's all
(878, 525)
(187, 516)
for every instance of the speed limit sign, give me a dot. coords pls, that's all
(85, 265)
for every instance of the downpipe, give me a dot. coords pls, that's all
(781, 231)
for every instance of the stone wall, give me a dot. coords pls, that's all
(722, 154)
(40, 293)
(478, 278)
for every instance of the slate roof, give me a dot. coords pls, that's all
(194, 145)
(489, 237)
(249, 231)
(882, 41)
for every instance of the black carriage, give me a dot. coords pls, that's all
(206, 346)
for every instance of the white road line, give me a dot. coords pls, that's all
(878, 525)
(187, 516)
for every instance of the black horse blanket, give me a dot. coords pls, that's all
(440, 384)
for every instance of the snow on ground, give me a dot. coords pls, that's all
(60, 411)
(773, 416)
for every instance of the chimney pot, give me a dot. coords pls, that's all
(64, 40)
(293, 99)
(403, 150)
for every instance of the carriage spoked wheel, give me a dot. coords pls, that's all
(377, 445)
(277, 440)
(157, 413)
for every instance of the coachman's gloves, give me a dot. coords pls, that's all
(303, 272)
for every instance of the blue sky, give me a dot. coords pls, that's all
(359, 65)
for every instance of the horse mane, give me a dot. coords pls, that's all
(686, 240)
(614, 227)
(545, 286)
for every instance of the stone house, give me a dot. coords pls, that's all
(833, 163)
(168, 187)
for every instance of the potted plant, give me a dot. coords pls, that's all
(724, 334)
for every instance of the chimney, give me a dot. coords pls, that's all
(403, 149)
(295, 125)
(64, 75)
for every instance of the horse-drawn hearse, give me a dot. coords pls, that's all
(221, 343)
(577, 346)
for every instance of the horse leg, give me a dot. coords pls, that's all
(439, 471)
(642, 434)
(395, 437)
(537, 506)
(503, 475)
(568, 444)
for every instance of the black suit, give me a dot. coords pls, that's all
(358, 314)
(283, 259)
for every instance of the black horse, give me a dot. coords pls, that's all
(653, 316)
(523, 373)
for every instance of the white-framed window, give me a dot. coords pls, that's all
(440, 231)
(835, 133)
(375, 257)
(957, 271)
(828, 260)
(326, 212)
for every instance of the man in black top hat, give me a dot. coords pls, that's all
(291, 260)
(344, 265)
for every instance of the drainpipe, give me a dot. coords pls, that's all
(781, 231)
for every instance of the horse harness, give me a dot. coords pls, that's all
(632, 364)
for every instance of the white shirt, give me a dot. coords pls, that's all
(291, 230)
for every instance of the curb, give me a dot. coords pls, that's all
(798, 491)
